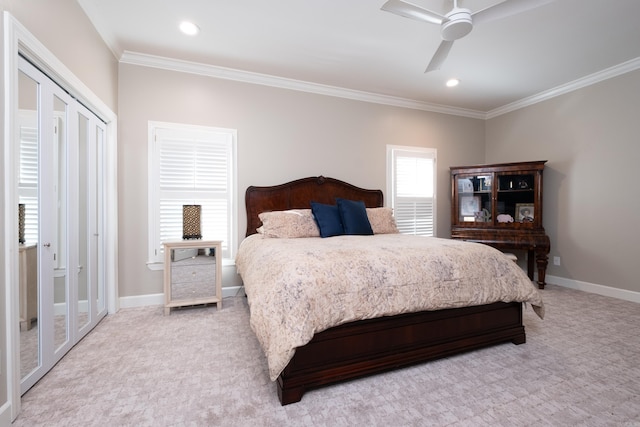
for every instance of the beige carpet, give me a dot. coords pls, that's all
(203, 367)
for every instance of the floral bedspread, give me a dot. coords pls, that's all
(298, 287)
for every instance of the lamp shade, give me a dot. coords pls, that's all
(191, 221)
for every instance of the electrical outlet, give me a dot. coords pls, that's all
(556, 260)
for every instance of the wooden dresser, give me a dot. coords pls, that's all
(501, 205)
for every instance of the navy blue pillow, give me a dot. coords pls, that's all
(354, 217)
(328, 219)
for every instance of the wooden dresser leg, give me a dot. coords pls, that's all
(531, 256)
(542, 260)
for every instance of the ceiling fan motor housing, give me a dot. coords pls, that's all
(457, 25)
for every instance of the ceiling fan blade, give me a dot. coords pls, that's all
(506, 8)
(409, 10)
(440, 55)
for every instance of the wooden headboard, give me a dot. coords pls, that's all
(299, 193)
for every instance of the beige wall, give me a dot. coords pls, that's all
(591, 205)
(282, 135)
(63, 29)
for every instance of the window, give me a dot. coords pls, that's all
(191, 165)
(411, 182)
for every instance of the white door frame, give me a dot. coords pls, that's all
(17, 39)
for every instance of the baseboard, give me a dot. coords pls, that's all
(607, 291)
(158, 299)
(5, 414)
(141, 300)
(623, 294)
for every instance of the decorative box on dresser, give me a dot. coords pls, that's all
(192, 273)
(501, 205)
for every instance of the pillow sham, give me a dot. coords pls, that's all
(353, 214)
(288, 224)
(328, 219)
(382, 220)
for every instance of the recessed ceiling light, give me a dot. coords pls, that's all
(452, 82)
(189, 28)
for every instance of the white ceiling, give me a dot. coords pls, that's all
(352, 44)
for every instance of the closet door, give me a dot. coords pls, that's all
(51, 202)
(90, 290)
(29, 212)
(57, 201)
(62, 143)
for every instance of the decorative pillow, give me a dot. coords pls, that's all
(382, 220)
(354, 217)
(328, 219)
(288, 224)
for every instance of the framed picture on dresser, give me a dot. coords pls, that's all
(524, 212)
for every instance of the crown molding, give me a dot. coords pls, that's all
(182, 66)
(589, 80)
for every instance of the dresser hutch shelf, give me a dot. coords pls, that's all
(501, 205)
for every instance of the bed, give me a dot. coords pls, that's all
(392, 326)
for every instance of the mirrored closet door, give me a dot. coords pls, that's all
(61, 287)
(89, 293)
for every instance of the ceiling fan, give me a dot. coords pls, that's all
(458, 22)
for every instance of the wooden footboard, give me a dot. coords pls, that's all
(370, 346)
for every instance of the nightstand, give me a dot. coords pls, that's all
(192, 273)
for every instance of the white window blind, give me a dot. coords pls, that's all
(412, 175)
(28, 181)
(191, 165)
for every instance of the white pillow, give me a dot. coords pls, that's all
(292, 223)
(382, 220)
